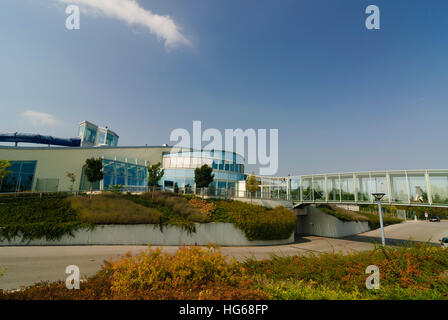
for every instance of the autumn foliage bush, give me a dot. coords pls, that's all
(417, 272)
(204, 206)
(192, 273)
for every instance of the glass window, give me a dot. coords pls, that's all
(28, 167)
(81, 131)
(90, 135)
(101, 137)
(306, 189)
(20, 178)
(295, 188)
(196, 162)
(363, 188)
(166, 162)
(347, 188)
(110, 139)
(399, 188)
(439, 187)
(180, 162)
(379, 185)
(187, 162)
(333, 188)
(319, 188)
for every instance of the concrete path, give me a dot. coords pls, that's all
(409, 231)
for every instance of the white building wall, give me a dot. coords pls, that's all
(54, 162)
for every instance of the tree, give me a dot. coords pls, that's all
(72, 177)
(94, 171)
(252, 185)
(203, 176)
(4, 165)
(155, 173)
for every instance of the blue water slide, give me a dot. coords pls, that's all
(39, 139)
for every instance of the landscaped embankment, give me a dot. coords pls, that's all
(161, 219)
(334, 222)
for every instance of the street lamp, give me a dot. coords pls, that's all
(378, 197)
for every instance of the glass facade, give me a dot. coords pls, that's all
(428, 187)
(92, 135)
(130, 175)
(439, 187)
(21, 177)
(111, 140)
(228, 168)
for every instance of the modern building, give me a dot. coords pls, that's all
(92, 135)
(45, 168)
(228, 169)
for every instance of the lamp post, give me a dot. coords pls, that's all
(378, 197)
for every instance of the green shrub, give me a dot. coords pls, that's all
(33, 218)
(418, 272)
(257, 222)
(405, 273)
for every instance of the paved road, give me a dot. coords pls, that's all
(28, 265)
(410, 231)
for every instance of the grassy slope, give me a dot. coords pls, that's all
(348, 215)
(112, 210)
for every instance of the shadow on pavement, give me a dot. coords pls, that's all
(298, 238)
(390, 242)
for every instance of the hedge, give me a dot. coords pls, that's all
(257, 222)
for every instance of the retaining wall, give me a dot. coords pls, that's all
(224, 234)
(319, 223)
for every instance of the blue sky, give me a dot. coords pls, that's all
(343, 98)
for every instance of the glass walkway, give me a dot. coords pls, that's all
(405, 187)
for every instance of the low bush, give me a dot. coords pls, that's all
(112, 209)
(204, 206)
(33, 218)
(418, 272)
(405, 273)
(257, 222)
(192, 273)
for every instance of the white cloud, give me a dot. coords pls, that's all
(40, 118)
(131, 12)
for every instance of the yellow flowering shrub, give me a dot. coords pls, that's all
(204, 206)
(192, 273)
